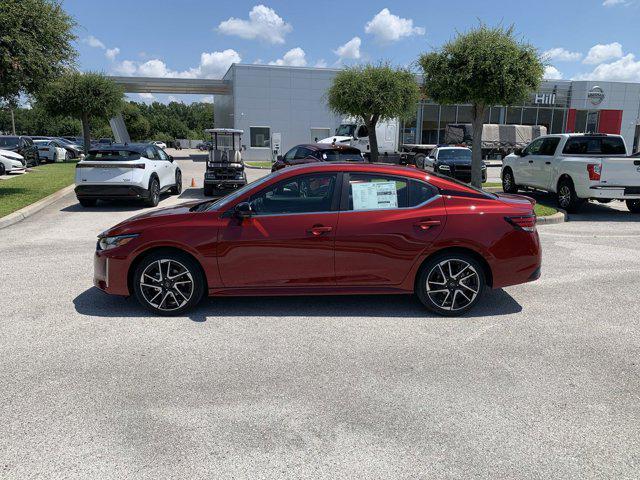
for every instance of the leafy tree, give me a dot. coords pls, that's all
(373, 93)
(137, 125)
(485, 66)
(35, 45)
(83, 96)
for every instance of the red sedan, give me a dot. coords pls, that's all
(326, 228)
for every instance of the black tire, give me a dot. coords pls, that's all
(177, 297)
(448, 300)
(566, 196)
(509, 182)
(88, 202)
(3, 169)
(633, 206)
(154, 193)
(208, 190)
(419, 161)
(177, 188)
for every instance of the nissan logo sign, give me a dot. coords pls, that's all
(596, 95)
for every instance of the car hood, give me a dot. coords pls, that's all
(11, 155)
(455, 161)
(153, 218)
(337, 138)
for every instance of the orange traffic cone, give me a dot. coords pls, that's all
(193, 182)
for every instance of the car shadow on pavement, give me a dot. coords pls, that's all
(94, 302)
(114, 206)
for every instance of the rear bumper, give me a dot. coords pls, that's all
(225, 183)
(615, 192)
(111, 191)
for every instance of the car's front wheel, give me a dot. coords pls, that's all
(168, 283)
(419, 161)
(450, 284)
(3, 169)
(508, 182)
(177, 188)
(633, 206)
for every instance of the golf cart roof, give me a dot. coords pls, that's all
(224, 130)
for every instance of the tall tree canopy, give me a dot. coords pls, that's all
(35, 45)
(373, 93)
(485, 66)
(83, 96)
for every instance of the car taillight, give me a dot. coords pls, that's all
(524, 222)
(594, 169)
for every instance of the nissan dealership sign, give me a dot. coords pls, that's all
(596, 95)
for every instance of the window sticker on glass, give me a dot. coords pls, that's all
(374, 195)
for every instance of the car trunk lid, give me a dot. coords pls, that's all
(620, 171)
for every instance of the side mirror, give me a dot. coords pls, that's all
(279, 158)
(171, 158)
(243, 210)
(519, 152)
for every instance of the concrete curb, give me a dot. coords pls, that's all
(34, 208)
(559, 217)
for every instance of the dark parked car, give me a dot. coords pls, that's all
(317, 152)
(453, 162)
(22, 145)
(326, 228)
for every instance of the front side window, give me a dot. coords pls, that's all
(260, 137)
(161, 154)
(381, 192)
(303, 152)
(150, 153)
(303, 194)
(291, 154)
(534, 147)
(345, 130)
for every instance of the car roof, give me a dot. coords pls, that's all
(453, 148)
(129, 147)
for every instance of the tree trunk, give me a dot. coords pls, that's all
(86, 133)
(13, 122)
(373, 140)
(476, 157)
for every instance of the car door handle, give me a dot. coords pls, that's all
(427, 224)
(317, 230)
(530, 161)
(547, 163)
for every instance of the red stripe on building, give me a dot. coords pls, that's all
(570, 127)
(610, 121)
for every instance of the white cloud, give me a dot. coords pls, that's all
(387, 27)
(94, 42)
(626, 69)
(293, 58)
(263, 24)
(613, 3)
(147, 97)
(172, 98)
(562, 55)
(601, 53)
(552, 73)
(351, 49)
(212, 65)
(322, 63)
(112, 53)
(207, 99)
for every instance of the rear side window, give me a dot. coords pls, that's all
(594, 146)
(549, 146)
(341, 156)
(381, 192)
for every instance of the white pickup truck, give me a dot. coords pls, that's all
(577, 168)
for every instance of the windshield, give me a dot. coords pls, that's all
(345, 130)
(455, 154)
(221, 202)
(342, 156)
(9, 142)
(118, 155)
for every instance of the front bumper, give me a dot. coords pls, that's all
(110, 273)
(462, 175)
(111, 192)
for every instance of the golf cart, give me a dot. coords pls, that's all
(225, 169)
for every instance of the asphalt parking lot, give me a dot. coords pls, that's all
(541, 381)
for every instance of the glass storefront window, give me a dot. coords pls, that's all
(558, 121)
(430, 114)
(496, 115)
(544, 118)
(514, 115)
(465, 114)
(529, 116)
(447, 116)
(581, 121)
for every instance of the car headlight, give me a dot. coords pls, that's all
(444, 167)
(107, 243)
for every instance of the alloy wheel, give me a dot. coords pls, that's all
(564, 196)
(453, 284)
(166, 285)
(507, 182)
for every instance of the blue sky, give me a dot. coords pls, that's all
(196, 38)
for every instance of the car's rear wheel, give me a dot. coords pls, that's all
(509, 182)
(168, 283)
(88, 202)
(567, 198)
(177, 189)
(154, 193)
(633, 206)
(450, 284)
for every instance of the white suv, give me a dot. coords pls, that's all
(135, 171)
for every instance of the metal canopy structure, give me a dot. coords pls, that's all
(174, 85)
